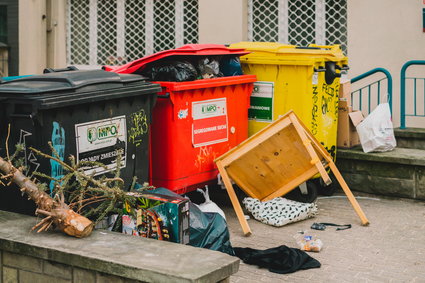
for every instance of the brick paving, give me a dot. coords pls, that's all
(390, 249)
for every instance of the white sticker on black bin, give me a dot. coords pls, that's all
(102, 141)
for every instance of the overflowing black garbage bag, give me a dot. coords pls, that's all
(207, 230)
(170, 71)
(189, 68)
(230, 66)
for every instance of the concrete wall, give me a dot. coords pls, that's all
(51, 256)
(22, 268)
(56, 33)
(42, 35)
(385, 33)
(222, 21)
(381, 33)
(32, 36)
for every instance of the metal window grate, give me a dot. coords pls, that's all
(301, 22)
(135, 19)
(107, 32)
(190, 20)
(78, 33)
(298, 22)
(165, 25)
(264, 20)
(114, 32)
(336, 23)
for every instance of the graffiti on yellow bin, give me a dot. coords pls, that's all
(324, 114)
(314, 111)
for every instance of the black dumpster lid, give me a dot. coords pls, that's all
(54, 90)
(54, 82)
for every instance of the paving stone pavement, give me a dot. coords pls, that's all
(390, 249)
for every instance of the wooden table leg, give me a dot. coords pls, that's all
(349, 194)
(234, 199)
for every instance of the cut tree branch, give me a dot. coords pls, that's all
(61, 215)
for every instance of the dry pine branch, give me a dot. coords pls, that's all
(57, 211)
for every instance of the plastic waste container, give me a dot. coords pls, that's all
(194, 121)
(94, 115)
(304, 79)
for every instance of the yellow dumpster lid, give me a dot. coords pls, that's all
(280, 51)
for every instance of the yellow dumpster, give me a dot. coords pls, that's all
(304, 79)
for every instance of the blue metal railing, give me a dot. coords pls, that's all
(370, 87)
(403, 79)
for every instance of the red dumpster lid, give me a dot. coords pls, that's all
(188, 49)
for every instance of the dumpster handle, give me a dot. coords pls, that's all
(166, 95)
(321, 69)
(329, 47)
(331, 73)
(51, 70)
(306, 47)
(30, 116)
(344, 67)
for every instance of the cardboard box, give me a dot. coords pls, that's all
(347, 136)
(345, 91)
(170, 213)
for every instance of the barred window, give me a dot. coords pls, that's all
(114, 32)
(298, 22)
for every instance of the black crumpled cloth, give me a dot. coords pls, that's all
(280, 259)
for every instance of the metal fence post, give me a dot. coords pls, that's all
(403, 90)
(389, 82)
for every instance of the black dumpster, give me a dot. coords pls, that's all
(93, 115)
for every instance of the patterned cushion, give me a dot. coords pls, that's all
(279, 211)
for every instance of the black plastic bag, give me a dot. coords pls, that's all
(207, 230)
(171, 71)
(231, 66)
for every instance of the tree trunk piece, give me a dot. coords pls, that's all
(62, 216)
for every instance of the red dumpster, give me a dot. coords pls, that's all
(194, 122)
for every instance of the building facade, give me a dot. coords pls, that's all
(91, 33)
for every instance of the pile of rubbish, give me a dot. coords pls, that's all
(285, 153)
(190, 69)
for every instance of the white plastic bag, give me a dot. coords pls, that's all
(209, 205)
(376, 130)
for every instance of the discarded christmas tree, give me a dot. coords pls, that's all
(56, 211)
(93, 196)
(86, 195)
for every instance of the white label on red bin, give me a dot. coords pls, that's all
(209, 122)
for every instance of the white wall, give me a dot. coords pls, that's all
(222, 21)
(42, 35)
(56, 34)
(381, 33)
(386, 33)
(32, 36)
